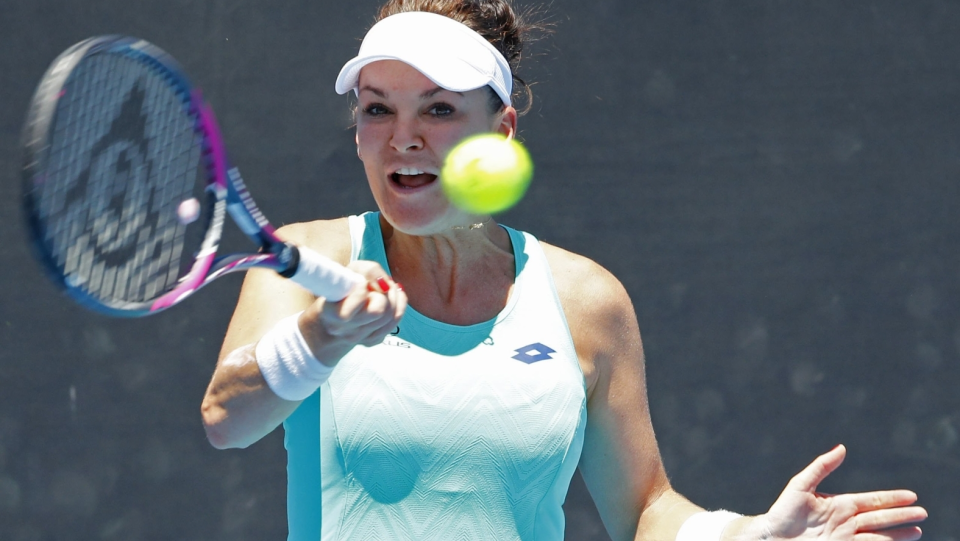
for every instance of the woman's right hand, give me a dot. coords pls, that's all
(364, 317)
(239, 407)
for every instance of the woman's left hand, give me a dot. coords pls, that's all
(802, 513)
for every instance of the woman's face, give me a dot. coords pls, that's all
(406, 124)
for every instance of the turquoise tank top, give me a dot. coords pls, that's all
(444, 432)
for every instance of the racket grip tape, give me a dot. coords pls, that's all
(321, 275)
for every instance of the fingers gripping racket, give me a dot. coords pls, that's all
(126, 186)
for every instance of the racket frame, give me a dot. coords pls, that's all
(227, 192)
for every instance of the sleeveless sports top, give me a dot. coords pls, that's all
(444, 432)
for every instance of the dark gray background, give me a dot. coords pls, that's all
(775, 183)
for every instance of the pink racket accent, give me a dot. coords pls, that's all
(191, 282)
(195, 278)
(208, 124)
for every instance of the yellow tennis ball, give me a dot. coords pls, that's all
(486, 174)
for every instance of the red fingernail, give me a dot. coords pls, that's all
(382, 282)
(399, 286)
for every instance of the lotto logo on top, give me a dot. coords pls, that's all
(533, 353)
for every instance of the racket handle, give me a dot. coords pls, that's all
(323, 276)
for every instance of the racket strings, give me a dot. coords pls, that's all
(123, 156)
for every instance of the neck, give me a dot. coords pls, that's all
(460, 276)
(473, 226)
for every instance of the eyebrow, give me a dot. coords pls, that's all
(428, 94)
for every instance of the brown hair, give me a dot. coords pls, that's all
(496, 20)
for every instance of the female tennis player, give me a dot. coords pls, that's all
(458, 405)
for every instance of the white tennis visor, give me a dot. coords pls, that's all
(447, 52)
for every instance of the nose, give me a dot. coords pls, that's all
(406, 136)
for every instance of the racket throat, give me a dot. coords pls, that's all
(244, 211)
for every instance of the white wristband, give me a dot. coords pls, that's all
(706, 526)
(287, 364)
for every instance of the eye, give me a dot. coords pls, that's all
(376, 109)
(441, 109)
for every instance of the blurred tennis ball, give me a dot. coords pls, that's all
(486, 174)
(188, 211)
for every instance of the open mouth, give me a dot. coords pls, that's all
(408, 177)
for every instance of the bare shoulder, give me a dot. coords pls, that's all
(584, 286)
(598, 309)
(328, 237)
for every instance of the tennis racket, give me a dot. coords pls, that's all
(126, 186)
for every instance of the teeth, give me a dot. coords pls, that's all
(409, 171)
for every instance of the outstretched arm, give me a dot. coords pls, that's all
(621, 462)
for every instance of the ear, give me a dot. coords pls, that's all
(507, 122)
